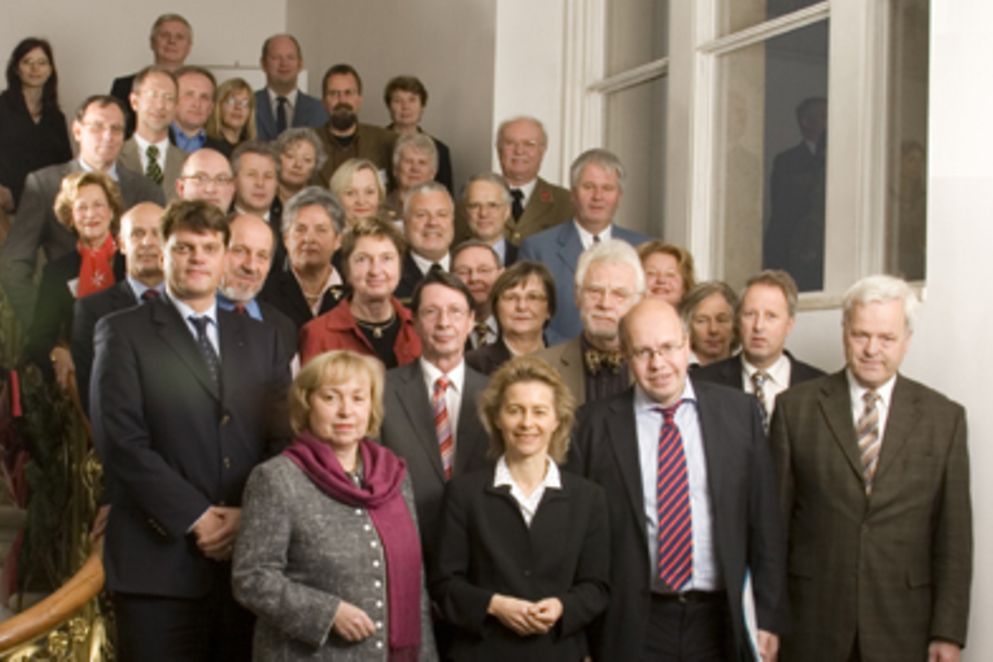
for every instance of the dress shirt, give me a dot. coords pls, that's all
(492, 333)
(885, 393)
(648, 420)
(424, 264)
(139, 288)
(251, 306)
(777, 380)
(291, 104)
(185, 312)
(264, 216)
(500, 248)
(586, 238)
(162, 145)
(189, 143)
(453, 394)
(110, 172)
(528, 504)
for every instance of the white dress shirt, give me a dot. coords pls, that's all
(586, 238)
(885, 393)
(291, 103)
(425, 264)
(777, 380)
(213, 335)
(163, 146)
(453, 394)
(527, 504)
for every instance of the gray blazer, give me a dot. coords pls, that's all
(174, 159)
(298, 555)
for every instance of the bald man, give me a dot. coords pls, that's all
(140, 241)
(207, 175)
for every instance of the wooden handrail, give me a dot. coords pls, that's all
(57, 607)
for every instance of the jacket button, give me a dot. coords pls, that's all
(225, 419)
(227, 462)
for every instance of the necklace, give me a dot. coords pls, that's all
(378, 328)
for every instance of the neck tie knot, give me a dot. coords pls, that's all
(517, 206)
(441, 385)
(153, 170)
(201, 323)
(149, 295)
(240, 308)
(669, 413)
(870, 398)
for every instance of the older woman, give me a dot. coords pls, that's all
(406, 98)
(668, 270)
(233, 119)
(415, 161)
(356, 183)
(709, 312)
(32, 128)
(523, 562)
(328, 556)
(90, 204)
(523, 301)
(371, 320)
(301, 154)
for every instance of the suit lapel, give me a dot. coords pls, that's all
(231, 330)
(465, 447)
(623, 441)
(179, 338)
(900, 423)
(836, 408)
(414, 397)
(570, 246)
(710, 434)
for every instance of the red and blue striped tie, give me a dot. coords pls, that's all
(443, 426)
(672, 494)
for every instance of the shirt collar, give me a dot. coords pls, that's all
(111, 172)
(587, 237)
(456, 376)
(856, 390)
(643, 403)
(143, 144)
(139, 288)
(291, 97)
(502, 477)
(251, 306)
(185, 311)
(778, 372)
(424, 264)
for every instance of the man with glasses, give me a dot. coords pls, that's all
(486, 204)
(148, 150)
(476, 264)
(609, 280)
(207, 176)
(98, 129)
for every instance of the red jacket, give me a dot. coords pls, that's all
(337, 329)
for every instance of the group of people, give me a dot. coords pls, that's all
(344, 414)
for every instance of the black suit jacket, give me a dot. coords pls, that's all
(485, 547)
(286, 328)
(121, 88)
(410, 276)
(282, 291)
(172, 443)
(488, 358)
(728, 372)
(408, 430)
(747, 533)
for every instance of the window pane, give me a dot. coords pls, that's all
(771, 157)
(740, 14)
(636, 33)
(635, 131)
(907, 203)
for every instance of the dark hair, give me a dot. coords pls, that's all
(516, 274)
(378, 226)
(197, 216)
(49, 93)
(252, 147)
(441, 277)
(194, 69)
(139, 78)
(340, 70)
(410, 84)
(100, 101)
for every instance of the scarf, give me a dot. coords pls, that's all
(380, 495)
(96, 273)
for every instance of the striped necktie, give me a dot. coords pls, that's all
(869, 438)
(672, 498)
(443, 426)
(153, 170)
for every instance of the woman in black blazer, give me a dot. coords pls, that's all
(523, 559)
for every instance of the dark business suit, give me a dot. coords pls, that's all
(488, 358)
(282, 291)
(37, 227)
(285, 327)
(746, 527)
(121, 89)
(408, 430)
(559, 249)
(410, 276)
(173, 444)
(307, 112)
(892, 569)
(729, 372)
(485, 547)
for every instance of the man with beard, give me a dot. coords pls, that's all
(246, 266)
(343, 136)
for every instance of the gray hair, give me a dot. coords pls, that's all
(425, 187)
(596, 156)
(615, 251)
(314, 195)
(774, 278)
(492, 178)
(417, 141)
(523, 118)
(881, 288)
(252, 147)
(297, 134)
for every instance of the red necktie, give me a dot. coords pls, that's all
(675, 536)
(443, 426)
(240, 308)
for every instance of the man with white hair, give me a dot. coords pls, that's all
(874, 487)
(609, 280)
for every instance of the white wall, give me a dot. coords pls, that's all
(98, 40)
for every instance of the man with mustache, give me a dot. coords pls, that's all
(344, 137)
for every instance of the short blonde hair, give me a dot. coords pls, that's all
(336, 367)
(683, 258)
(71, 184)
(528, 369)
(342, 177)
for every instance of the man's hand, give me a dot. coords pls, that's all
(63, 366)
(351, 623)
(99, 523)
(514, 613)
(545, 613)
(768, 645)
(943, 651)
(215, 532)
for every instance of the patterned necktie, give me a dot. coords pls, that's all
(149, 295)
(759, 378)
(153, 170)
(207, 350)
(482, 331)
(443, 426)
(868, 438)
(281, 114)
(240, 308)
(672, 498)
(517, 206)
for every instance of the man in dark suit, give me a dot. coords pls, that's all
(171, 41)
(429, 228)
(281, 104)
(477, 265)
(692, 502)
(765, 316)
(416, 395)
(246, 266)
(597, 178)
(140, 241)
(344, 137)
(98, 129)
(485, 207)
(874, 488)
(185, 399)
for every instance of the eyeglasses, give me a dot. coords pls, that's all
(157, 95)
(231, 102)
(97, 128)
(203, 179)
(529, 298)
(664, 352)
(453, 313)
(523, 144)
(476, 207)
(467, 272)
